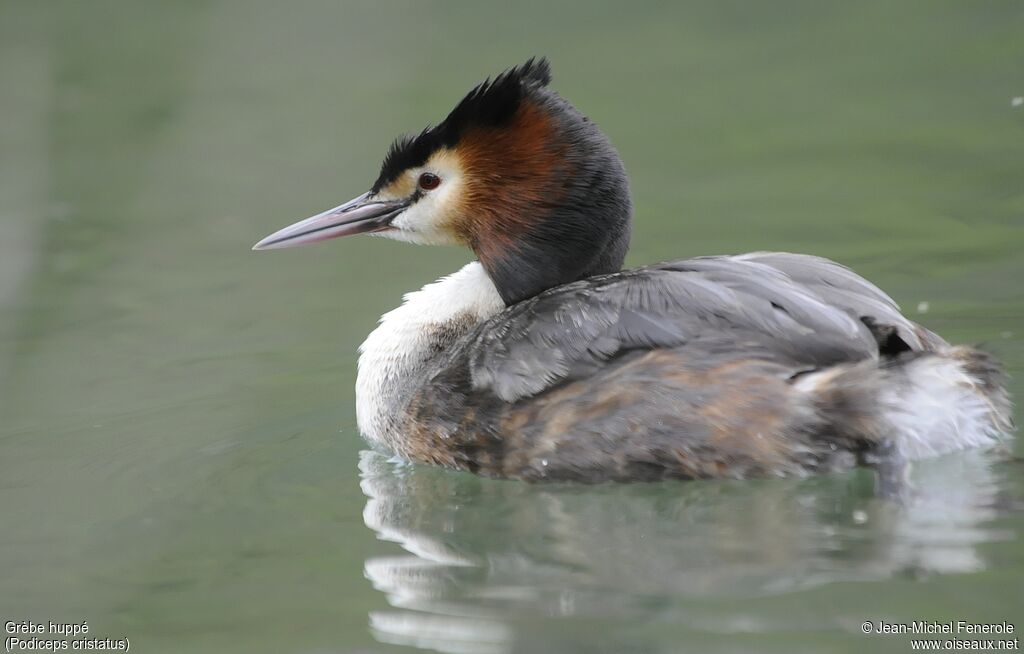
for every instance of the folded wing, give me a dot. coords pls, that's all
(800, 309)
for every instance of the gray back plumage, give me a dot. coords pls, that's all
(800, 309)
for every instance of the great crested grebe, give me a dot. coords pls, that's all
(543, 360)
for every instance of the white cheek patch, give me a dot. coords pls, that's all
(430, 220)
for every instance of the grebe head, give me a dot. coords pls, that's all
(514, 172)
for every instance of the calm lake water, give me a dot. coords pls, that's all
(179, 463)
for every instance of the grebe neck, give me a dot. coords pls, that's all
(397, 356)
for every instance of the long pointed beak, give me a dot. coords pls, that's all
(360, 215)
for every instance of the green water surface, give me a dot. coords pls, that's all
(179, 463)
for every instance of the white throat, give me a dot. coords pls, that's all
(409, 338)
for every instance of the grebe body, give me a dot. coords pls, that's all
(542, 360)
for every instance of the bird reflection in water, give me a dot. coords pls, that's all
(499, 567)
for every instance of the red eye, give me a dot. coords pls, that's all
(429, 181)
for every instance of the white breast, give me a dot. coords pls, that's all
(396, 353)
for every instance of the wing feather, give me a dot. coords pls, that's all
(798, 308)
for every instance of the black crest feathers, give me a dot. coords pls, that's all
(490, 104)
